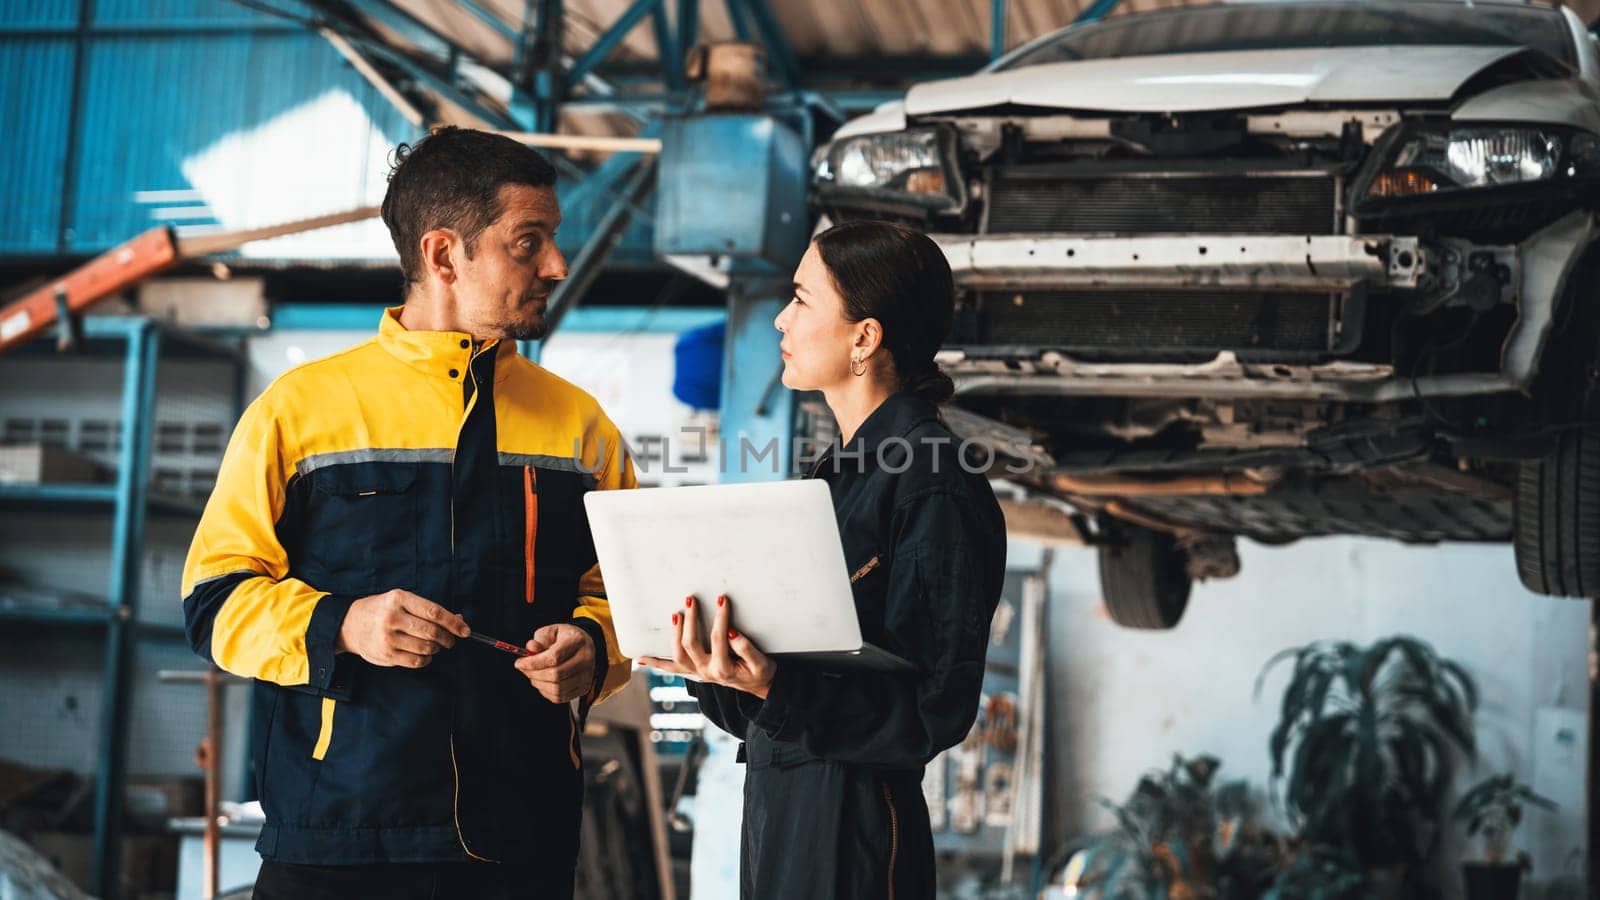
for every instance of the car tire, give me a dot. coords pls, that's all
(1144, 576)
(1558, 518)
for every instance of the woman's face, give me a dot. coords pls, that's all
(817, 338)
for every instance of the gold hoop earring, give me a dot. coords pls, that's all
(855, 371)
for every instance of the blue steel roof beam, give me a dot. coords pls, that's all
(414, 30)
(430, 43)
(613, 36)
(436, 82)
(826, 104)
(446, 84)
(777, 44)
(604, 179)
(1096, 11)
(667, 49)
(688, 27)
(600, 89)
(822, 71)
(490, 19)
(647, 104)
(523, 107)
(544, 61)
(740, 21)
(587, 264)
(532, 13)
(997, 29)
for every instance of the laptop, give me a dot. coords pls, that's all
(773, 548)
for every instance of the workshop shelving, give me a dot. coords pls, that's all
(130, 502)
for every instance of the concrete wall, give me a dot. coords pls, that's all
(1124, 701)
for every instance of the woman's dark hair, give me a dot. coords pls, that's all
(452, 179)
(899, 276)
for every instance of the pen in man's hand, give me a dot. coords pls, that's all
(500, 645)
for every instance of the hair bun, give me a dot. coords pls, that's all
(932, 385)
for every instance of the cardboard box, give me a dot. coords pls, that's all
(206, 302)
(42, 464)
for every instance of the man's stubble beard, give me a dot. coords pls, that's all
(536, 330)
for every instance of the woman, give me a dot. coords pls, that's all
(833, 791)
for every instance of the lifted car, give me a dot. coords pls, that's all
(1276, 270)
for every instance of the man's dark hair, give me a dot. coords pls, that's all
(899, 276)
(452, 179)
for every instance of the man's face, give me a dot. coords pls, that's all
(502, 290)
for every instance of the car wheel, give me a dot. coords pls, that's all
(1558, 518)
(1144, 576)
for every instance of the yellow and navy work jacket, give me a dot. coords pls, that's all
(421, 462)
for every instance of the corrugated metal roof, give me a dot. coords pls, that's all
(814, 28)
(38, 13)
(178, 13)
(34, 104)
(205, 131)
(230, 131)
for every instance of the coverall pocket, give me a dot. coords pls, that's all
(368, 512)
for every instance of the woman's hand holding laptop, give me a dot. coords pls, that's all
(731, 659)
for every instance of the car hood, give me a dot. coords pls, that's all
(1196, 82)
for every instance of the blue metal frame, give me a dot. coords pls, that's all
(406, 25)
(364, 318)
(783, 57)
(122, 597)
(435, 81)
(613, 36)
(667, 49)
(540, 48)
(754, 406)
(1096, 11)
(90, 498)
(80, 63)
(586, 265)
(738, 18)
(997, 29)
(604, 180)
(688, 27)
(131, 503)
(490, 19)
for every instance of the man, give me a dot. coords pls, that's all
(372, 510)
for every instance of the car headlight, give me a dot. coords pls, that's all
(1433, 160)
(909, 166)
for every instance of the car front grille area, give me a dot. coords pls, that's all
(1038, 199)
(1176, 326)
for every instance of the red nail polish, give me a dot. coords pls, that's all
(688, 602)
(733, 635)
(674, 618)
(722, 601)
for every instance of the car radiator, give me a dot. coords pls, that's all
(1038, 199)
(1167, 325)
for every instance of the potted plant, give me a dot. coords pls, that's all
(1492, 810)
(1315, 872)
(1365, 748)
(1178, 837)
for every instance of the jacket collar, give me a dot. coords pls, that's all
(894, 417)
(438, 354)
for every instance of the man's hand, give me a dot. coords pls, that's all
(399, 628)
(562, 664)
